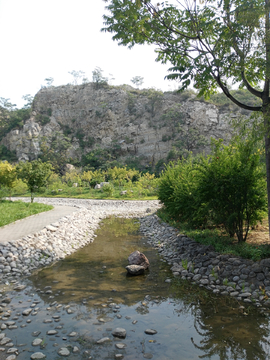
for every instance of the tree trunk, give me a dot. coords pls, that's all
(266, 116)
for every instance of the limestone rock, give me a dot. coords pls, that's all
(133, 120)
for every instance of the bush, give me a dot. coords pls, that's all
(228, 187)
(108, 189)
(178, 191)
(232, 184)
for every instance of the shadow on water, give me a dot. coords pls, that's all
(191, 322)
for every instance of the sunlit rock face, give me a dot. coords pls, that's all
(131, 123)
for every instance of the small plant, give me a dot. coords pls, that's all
(184, 263)
(108, 189)
(214, 274)
(225, 281)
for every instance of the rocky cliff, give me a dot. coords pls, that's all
(143, 124)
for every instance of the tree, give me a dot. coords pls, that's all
(35, 174)
(49, 81)
(8, 175)
(210, 43)
(137, 80)
(98, 78)
(29, 100)
(77, 76)
(54, 150)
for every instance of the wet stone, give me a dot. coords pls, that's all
(119, 332)
(103, 340)
(38, 355)
(150, 332)
(11, 357)
(63, 351)
(52, 332)
(37, 342)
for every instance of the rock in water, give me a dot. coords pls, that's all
(135, 269)
(138, 258)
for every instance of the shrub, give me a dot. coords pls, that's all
(178, 191)
(228, 187)
(108, 189)
(232, 184)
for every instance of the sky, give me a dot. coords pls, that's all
(50, 38)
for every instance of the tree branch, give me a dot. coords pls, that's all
(249, 87)
(235, 101)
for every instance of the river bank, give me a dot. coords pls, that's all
(242, 279)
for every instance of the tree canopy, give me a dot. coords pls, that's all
(209, 43)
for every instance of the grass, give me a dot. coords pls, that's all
(11, 211)
(86, 193)
(221, 243)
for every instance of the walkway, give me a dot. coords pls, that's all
(33, 223)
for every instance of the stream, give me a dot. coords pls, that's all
(78, 302)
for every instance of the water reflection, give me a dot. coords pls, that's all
(191, 322)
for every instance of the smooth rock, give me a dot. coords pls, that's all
(120, 333)
(37, 355)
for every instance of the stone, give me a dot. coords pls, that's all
(135, 269)
(150, 331)
(52, 332)
(27, 312)
(12, 350)
(37, 355)
(63, 351)
(120, 333)
(138, 258)
(5, 341)
(11, 357)
(120, 346)
(103, 340)
(37, 342)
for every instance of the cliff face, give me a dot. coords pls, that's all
(140, 123)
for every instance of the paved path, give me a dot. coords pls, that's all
(33, 223)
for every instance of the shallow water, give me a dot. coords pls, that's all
(191, 323)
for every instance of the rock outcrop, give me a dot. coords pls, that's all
(143, 124)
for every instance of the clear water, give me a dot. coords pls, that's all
(191, 323)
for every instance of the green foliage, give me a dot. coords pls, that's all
(42, 119)
(54, 149)
(178, 191)
(35, 174)
(11, 119)
(137, 80)
(98, 78)
(7, 155)
(227, 187)
(221, 243)
(232, 184)
(8, 175)
(108, 189)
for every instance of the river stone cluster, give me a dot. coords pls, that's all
(242, 279)
(54, 242)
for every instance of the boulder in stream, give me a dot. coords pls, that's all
(135, 269)
(138, 258)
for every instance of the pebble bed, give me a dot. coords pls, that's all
(21, 257)
(222, 274)
(242, 279)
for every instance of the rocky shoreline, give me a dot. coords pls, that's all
(57, 240)
(242, 279)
